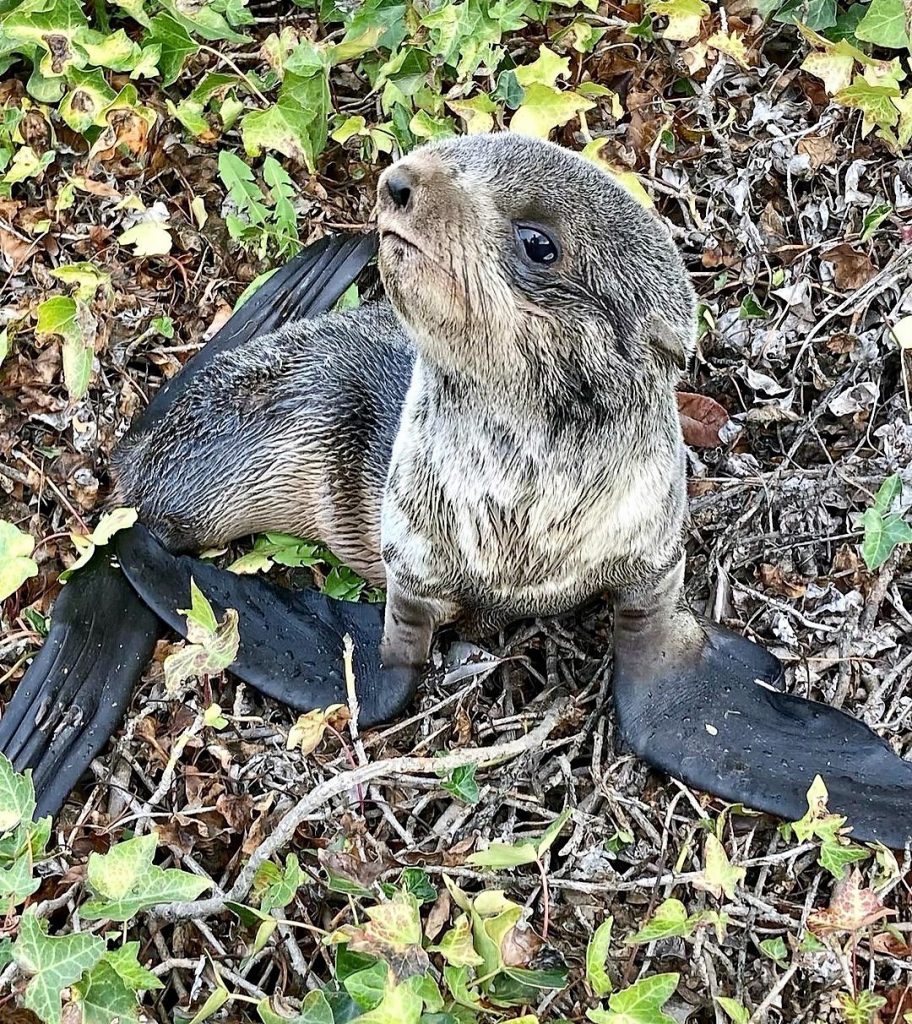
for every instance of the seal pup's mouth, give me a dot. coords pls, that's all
(398, 239)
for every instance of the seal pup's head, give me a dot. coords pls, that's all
(514, 261)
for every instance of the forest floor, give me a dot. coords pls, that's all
(797, 230)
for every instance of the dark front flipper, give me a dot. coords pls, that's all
(290, 641)
(77, 689)
(702, 710)
(75, 693)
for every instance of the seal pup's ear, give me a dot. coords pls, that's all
(671, 342)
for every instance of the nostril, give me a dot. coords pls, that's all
(399, 186)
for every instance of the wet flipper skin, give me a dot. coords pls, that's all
(695, 700)
(290, 641)
(76, 691)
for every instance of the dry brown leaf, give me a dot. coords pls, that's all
(307, 732)
(819, 150)
(236, 810)
(781, 583)
(701, 419)
(851, 269)
(897, 1006)
(15, 249)
(438, 916)
(851, 908)
(892, 945)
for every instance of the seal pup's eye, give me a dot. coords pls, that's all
(536, 245)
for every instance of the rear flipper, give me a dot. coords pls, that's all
(695, 700)
(290, 641)
(77, 689)
(74, 694)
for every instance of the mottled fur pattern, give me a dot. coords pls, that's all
(538, 459)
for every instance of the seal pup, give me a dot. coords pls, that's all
(497, 439)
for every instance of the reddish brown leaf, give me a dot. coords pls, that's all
(701, 419)
(851, 908)
(897, 1006)
(893, 945)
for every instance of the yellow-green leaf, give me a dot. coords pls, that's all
(684, 17)
(833, 69)
(16, 563)
(545, 108)
(596, 956)
(719, 876)
(149, 238)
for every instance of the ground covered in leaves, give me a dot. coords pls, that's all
(175, 154)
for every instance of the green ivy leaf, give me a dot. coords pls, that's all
(874, 101)
(124, 961)
(368, 986)
(462, 784)
(400, 1005)
(596, 957)
(885, 25)
(860, 1009)
(297, 125)
(670, 919)
(315, 1009)
(16, 566)
(457, 946)
(734, 1010)
(641, 1003)
(873, 219)
(751, 309)
(124, 881)
(418, 883)
(816, 14)
(103, 997)
(884, 530)
(16, 881)
(163, 325)
(175, 46)
(834, 857)
(776, 950)
(54, 963)
(276, 888)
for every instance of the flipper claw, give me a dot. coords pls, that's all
(77, 689)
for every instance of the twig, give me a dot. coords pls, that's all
(321, 794)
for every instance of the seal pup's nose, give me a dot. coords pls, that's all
(400, 185)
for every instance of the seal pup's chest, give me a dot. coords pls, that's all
(510, 519)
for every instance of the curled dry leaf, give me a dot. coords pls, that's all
(307, 732)
(701, 419)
